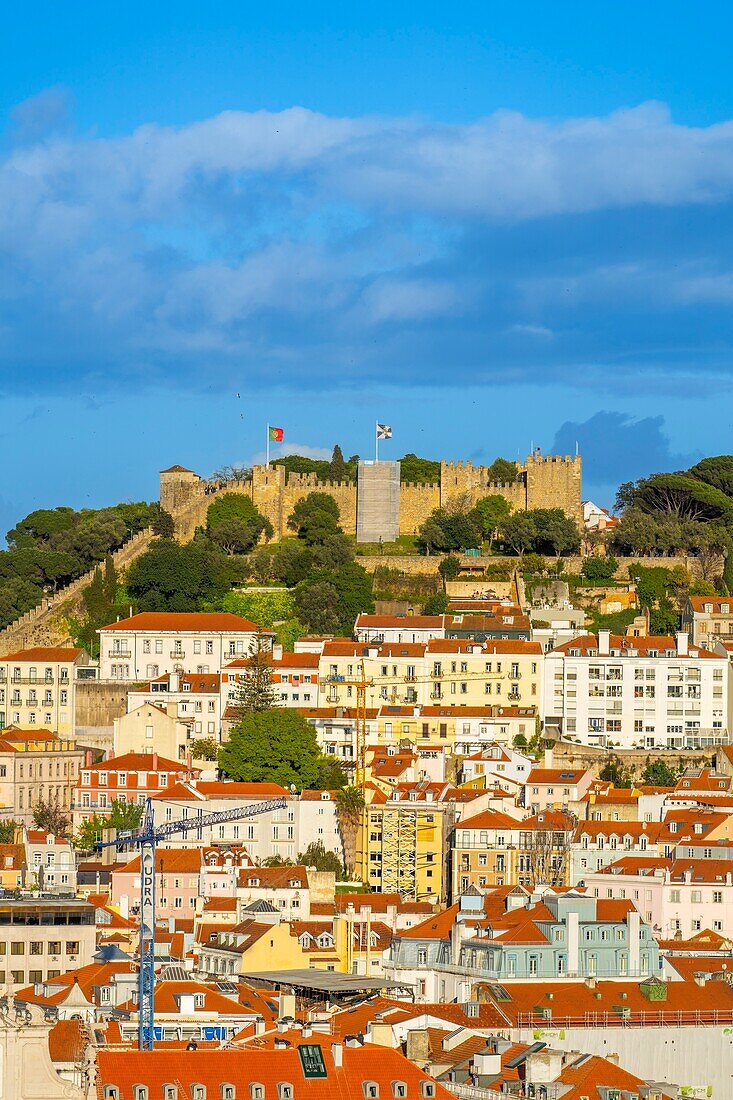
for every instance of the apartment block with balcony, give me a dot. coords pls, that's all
(651, 692)
(37, 687)
(152, 644)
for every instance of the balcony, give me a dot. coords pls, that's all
(28, 680)
(436, 695)
(120, 653)
(179, 655)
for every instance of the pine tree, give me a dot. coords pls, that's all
(338, 466)
(255, 692)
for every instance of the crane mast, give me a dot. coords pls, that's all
(147, 837)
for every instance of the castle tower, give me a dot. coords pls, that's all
(268, 492)
(554, 481)
(178, 487)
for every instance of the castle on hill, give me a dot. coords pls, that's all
(378, 504)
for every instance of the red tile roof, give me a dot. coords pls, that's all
(266, 1066)
(138, 762)
(184, 622)
(663, 645)
(44, 653)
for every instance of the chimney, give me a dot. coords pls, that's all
(260, 1025)
(337, 1050)
(155, 761)
(277, 652)
(549, 758)
(604, 643)
(88, 759)
(683, 643)
(700, 978)
(174, 681)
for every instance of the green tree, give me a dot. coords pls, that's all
(419, 471)
(275, 746)
(449, 568)
(556, 533)
(314, 513)
(8, 829)
(205, 748)
(316, 607)
(333, 550)
(331, 776)
(437, 604)
(599, 569)
(123, 816)
(502, 471)
(350, 811)
(254, 690)
(317, 855)
(520, 533)
(292, 563)
(492, 511)
(260, 566)
(337, 470)
(163, 525)
(235, 524)
(41, 526)
(613, 771)
(658, 773)
(169, 577)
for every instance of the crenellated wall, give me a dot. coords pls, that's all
(543, 482)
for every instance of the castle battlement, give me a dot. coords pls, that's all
(545, 481)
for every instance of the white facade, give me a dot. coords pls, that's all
(149, 645)
(37, 688)
(644, 692)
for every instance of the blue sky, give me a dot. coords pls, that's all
(489, 225)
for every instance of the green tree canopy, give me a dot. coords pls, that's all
(123, 816)
(169, 577)
(419, 471)
(337, 469)
(658, 773)
(235, 524)
(449, 568)
(599, 569)
(273, 746)
(492, 512)
(318, 856)
(503, 471)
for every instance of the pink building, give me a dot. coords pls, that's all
(682, 895)
(557, 789)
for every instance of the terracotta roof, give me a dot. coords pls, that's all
(416, 622)
(436, 927)
(698, 604)
(209, 622)
(67, 1041)
(558, 776)
(167, 861)
(44, 653)
(197, 681)
(138, 762)
(266, 1066)
(663, 645)
(489, 819)
(273, 878)
(591, 1076)
(202, 790)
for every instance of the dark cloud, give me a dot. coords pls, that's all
(319, 251)
(618, 447)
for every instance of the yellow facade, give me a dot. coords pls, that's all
(403, 848)
(448, 672)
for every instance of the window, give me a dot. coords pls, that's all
(140, 1092)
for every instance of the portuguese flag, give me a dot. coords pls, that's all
(276, 435)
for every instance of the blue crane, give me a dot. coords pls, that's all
(146, 837)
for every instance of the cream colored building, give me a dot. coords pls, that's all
(152, 644)
(36, 765)
(195, 698)
(154, 728)
(37, 687)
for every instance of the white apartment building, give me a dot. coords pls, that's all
(637, 692)
(293, 676)
(37, 687)
(152, 644)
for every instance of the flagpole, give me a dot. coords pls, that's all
(268, 445)
(376, 441)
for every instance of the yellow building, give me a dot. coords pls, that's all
(458, 729)
(404, 847)
(454, 672)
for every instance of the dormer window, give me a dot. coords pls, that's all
(253, 882)
(371, 1090)
(284, 1091)
(228, 1092)
(111, 1092)
(256, 1091)
(198, 1092)
(139, 1092)
(399, 1090)
(170, 1092)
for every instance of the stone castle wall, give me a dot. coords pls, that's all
(543, 482)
